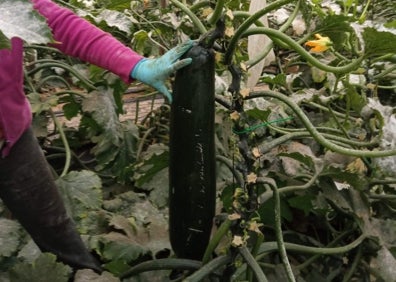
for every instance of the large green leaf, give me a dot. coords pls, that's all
(9, 237)
(44, 268)
(337, 28)
(18, 19)
(129, 252)
(115, 19)
(378, 42)
(155, 159)
(40, 105)
(82, 194)
(116, 144)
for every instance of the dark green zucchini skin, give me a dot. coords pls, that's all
(192, 156)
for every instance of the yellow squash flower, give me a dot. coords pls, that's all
(319, 45)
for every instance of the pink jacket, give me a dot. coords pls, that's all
(76, 37)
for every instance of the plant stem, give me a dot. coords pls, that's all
(354, 265)
(199, 5)
(208, 268)
(142, 141)
(65, 144)
(279, 236)
(161, 264)
(285, 26)
(214, 242)
(273, 246)
(315, 257)
(230, 165)
(191, 15)
(217, 12)
(275, 34)
(46, 63)
(259, 240)
(252, 263)
(384, 73)
(247, 23)
(315, 133)
(382, 196)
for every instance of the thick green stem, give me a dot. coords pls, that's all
(191, 15)
(45, 63)
(217, 12)
(53, 77)
(162, 264)
(315, 133)
(252, 263)
(309, 261)
(273, 246)
(246, 24)
(384, 73)
(259, 240)
(214, 242)
(354, 265)
(283, 28)
(208, 268)
(279, 235)
(199, 5)
(275, 34)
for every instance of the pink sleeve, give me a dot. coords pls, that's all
(79, 38)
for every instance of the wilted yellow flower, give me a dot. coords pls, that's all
(245, 92)
(251, 178)
(237, 241)
(321, 43)
(256, 152)
(234, 115)
(254, 226)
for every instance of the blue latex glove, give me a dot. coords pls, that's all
(154, 72)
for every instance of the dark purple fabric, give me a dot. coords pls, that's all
(77, 37)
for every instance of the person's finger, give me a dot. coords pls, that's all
(164, 90)
(175, 53)
(179, 64)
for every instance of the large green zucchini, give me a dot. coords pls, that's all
(192, 155)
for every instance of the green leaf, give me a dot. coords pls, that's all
(9, 237)
(258, 114)
(356, 100)
(4, 41)
(159, 186)
(82, 194)
(115, 19)
(128, 252)
(117, 267)
(40, 105)
(267, 212)
(356, 181)
(71, 110)
(304, 159)
(303, 202)
(115, 147)
(337, 28)
(378, 42)
(18, 19)
(155, 159)
(391, 24)
(44, 268)
(119, 5)
(140, 39)
(279, 79)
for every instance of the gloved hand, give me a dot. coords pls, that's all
(154, 72)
